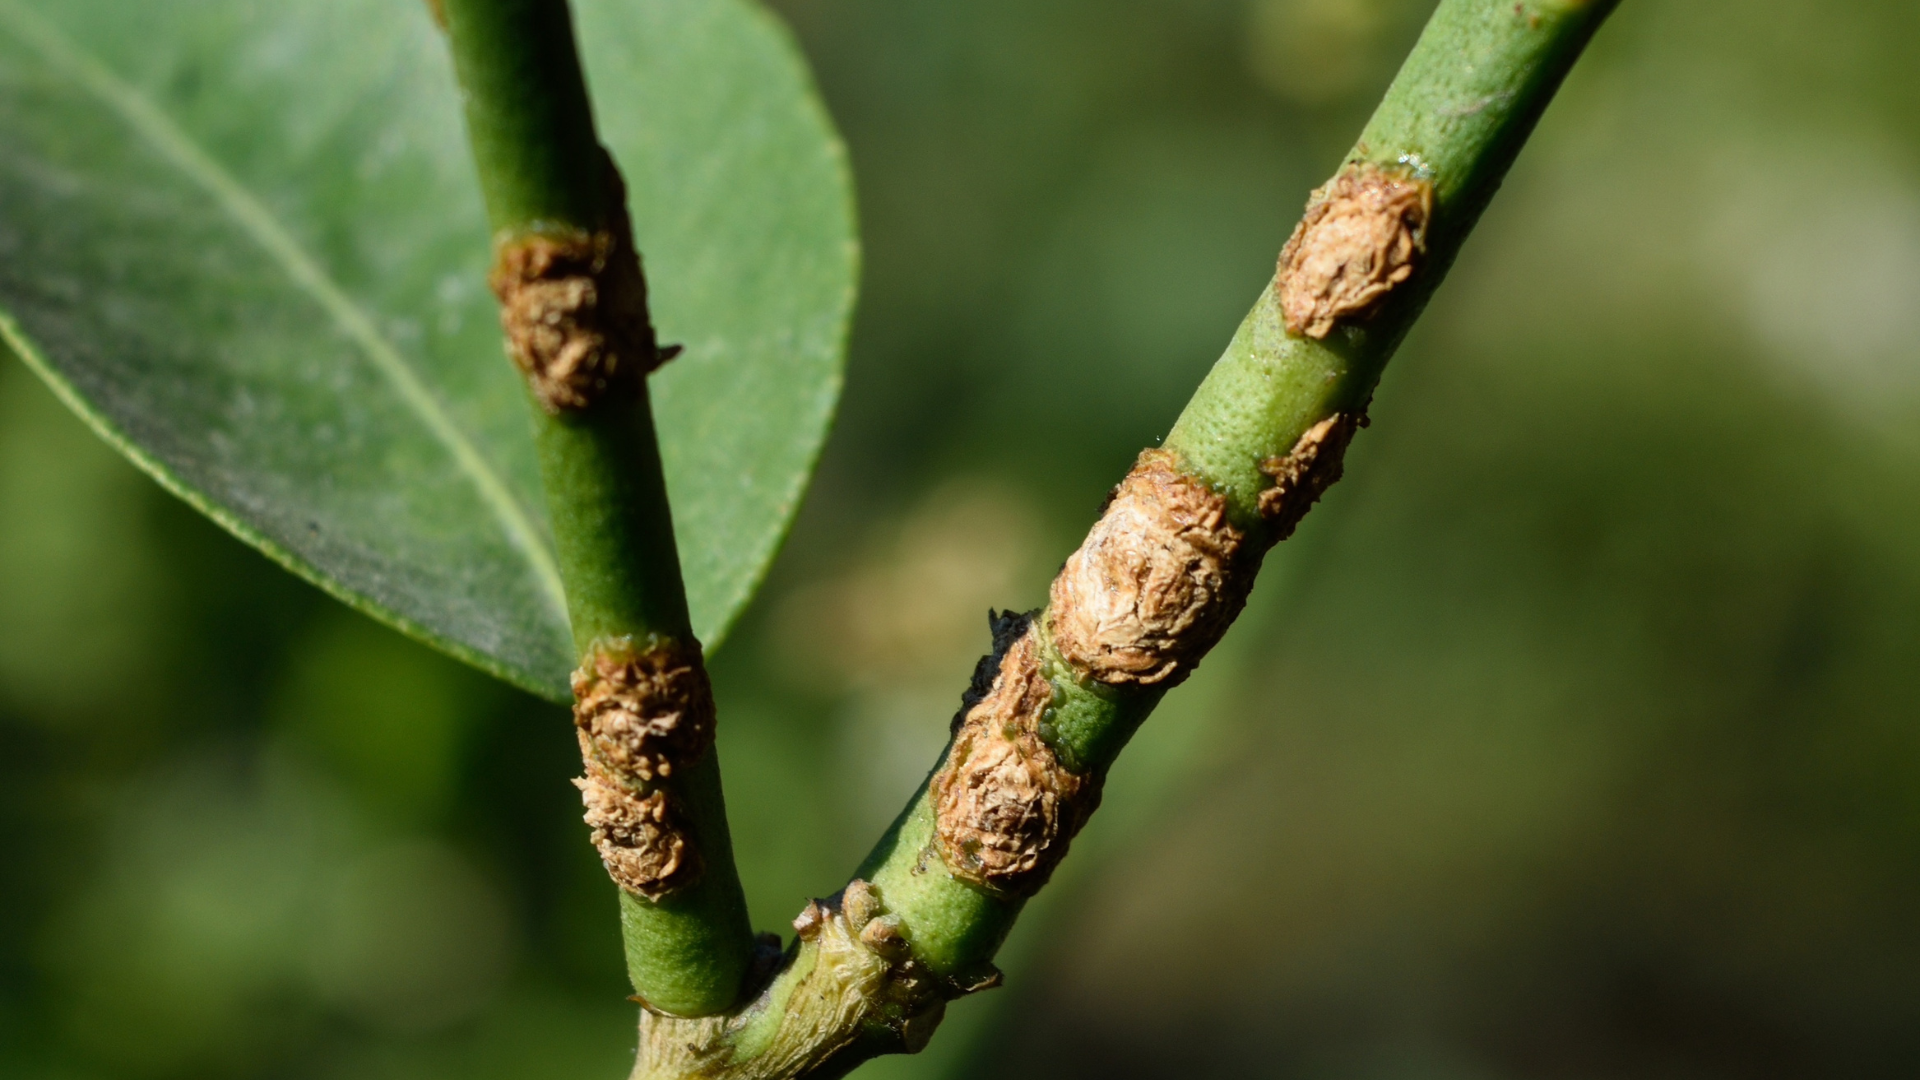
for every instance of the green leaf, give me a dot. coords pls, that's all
(242, 238)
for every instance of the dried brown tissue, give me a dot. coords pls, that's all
(642, 714)
(1158, 580)
(1150, 591)
(573, 306)
(1306, 472)
(1363, 233)
(1156, 583)
(1005, 807)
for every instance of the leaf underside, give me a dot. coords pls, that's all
(242, 238)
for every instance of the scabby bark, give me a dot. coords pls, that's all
(1308, 470)
(641, 713)
(573, 305)
(1154, 585)
(1005, 808)
(1361, 235)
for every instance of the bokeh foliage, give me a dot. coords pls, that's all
(1574, 735)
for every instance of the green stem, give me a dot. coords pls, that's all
(1455, 117)
(1458, 112)
(543, 172)
(607, 500)
(528, 118)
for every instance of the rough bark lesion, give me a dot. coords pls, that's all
(1155, 584)
(573, 305)
(1005, 807)
(642, 714)
(1306, 472)
(1363, 233)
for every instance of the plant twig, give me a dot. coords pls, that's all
(574, 308)
(1163, 572)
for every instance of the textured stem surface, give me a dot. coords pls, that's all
(1162, 573)
(573, 305)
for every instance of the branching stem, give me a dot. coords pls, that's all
(1157, 582)
(1162, 573)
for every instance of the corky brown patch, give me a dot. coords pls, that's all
(641, 714)
(1362, 234)
(574, 308)
(1004, 807)
(1154, 585)
(1306, 472)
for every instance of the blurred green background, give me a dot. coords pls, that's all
(1576, 735)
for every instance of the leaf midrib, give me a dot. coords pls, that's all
(178, 148)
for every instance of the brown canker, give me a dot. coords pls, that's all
(1155, 585)
(641, 714)
(1362, 234)
(1004, 806)
(1306, 472)
(573, 305)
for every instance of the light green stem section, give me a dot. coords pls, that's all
(607, 500)
(1456, 116)
(528, 118)
(542, 170)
